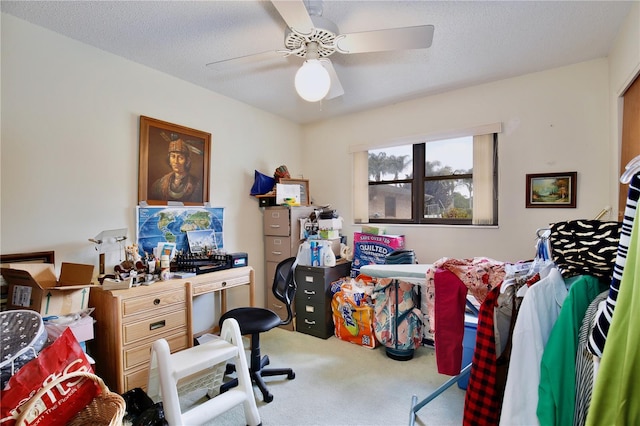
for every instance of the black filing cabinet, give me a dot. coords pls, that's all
(313, 297)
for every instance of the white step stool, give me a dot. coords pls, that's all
(202, 367)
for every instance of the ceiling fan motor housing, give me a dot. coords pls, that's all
(324, 34)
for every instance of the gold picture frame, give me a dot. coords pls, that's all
(305, 197)
(173, 163)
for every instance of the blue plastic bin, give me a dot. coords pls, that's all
(468, 346)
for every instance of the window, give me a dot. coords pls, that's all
(445, 181)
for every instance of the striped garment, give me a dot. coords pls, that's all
(599, 334)
(584, 363)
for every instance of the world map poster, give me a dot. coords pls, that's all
(162, 224)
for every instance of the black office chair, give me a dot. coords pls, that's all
(254, 321)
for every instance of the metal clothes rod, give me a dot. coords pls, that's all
(416, 406)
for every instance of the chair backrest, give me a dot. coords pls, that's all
(284, 285)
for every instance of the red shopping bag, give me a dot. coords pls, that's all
(63, 401)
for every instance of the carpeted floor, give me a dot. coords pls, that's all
(339, 383)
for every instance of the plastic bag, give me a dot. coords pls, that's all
(353, 323)
(63, 402)
(262, 184)
(141, 411)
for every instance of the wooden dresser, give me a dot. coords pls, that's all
(129, 321)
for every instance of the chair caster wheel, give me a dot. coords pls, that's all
(291, 376)
(268, 398)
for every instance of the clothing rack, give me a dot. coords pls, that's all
(416, 406)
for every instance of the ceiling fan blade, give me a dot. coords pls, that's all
(295, 14)
(418, 37)
(335, 89)
(269, 55)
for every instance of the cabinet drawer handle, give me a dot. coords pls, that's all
(275, 305)
(156, 301)
(157, 325)
(275, 226)
(311, 292)
(309, 322)
(224, 283)
(276, 252)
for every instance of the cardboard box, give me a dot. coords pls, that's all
(329, 224)
(327, 234)
(375, 230)
(335, 245)
(35, 287)
(369, 249)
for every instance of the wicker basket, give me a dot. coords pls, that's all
(106, 409)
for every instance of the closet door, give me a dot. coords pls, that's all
(630, 136)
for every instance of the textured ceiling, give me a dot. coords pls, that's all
(474, 42)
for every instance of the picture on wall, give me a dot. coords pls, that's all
(173, 164)
(159, 224)
(551, 190)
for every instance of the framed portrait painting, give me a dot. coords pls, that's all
(173, 164)
(551, 190)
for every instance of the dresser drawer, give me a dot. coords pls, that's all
(276, 222)
(153, 302)
(279, 308)
(154, 326)
(140, 354)
(311, 295)
(277, 249)
(312, 284)
(137, 379)
(317, 323)
(229, 278)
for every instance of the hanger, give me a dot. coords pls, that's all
(530, 267)
(543, 233)
(631, 170)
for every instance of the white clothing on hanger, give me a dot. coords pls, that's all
(539, 310)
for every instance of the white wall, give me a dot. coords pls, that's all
(70, 117)
(564, 119)
(69, 146)
(553, 121)
(624, 67)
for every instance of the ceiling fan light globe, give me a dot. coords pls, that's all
(312, 81)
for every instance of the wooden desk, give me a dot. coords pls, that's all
(129, 321)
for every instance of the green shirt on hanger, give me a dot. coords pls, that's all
(556, 391)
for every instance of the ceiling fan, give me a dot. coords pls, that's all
(311, 36)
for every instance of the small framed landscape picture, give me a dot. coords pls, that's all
(551, 190)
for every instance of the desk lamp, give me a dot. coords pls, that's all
(108, 237)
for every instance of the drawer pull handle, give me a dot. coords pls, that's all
(275, 305)
(311, 292)
(156, 301)
(309, 322)
(275, 226)
(224, 283)
(157, 325)
(278, 253)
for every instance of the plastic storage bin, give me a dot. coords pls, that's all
(468, 346)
